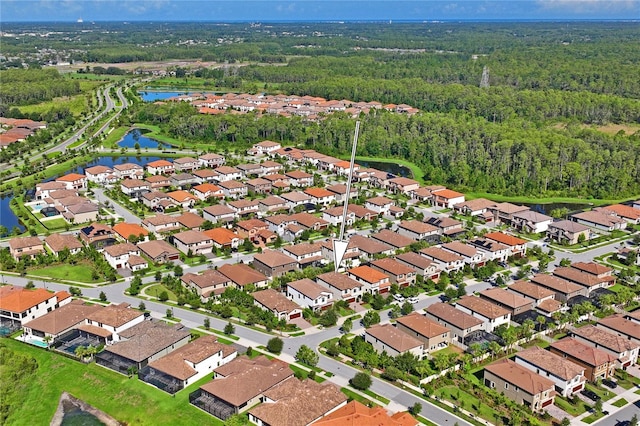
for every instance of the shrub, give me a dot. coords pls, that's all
(361, 381)
(275, 345)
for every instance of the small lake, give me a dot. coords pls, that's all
(548, 208)
(7, 218)
(393, 168)
(136, 136)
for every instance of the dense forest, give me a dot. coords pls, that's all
(465, 152)
(24, 87)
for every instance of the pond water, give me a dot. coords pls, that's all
(136, 136)
(548, 208)
(393, 168)
(7, 218)
(75, 416)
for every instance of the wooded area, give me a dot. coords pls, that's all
(24, 87)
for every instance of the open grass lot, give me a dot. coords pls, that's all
(55, 224)
(96, 77)
(80, 272)
(467, 402)
(156, 289)
(547, 200)
(127, 400)
(115, 136)
(76, 104)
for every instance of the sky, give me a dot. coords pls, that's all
(315, 10)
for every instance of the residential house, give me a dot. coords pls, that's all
(58, 322)
(447, 198)
(275, 302)
(320, 196)
(503, 212)
(59, 242)
(190, 220)
(362, 213)
(419, 231)
(445, 260)
(193, 242)
(517, 245)
(296, 198)
(628, 213)
(281, 404)
(207, 190)
(227, 173)
(477, 207)
(335, 217)
(309, 294)
(44, 189)
(624, 350)
(393, 341)
(491, 250)
(380, 205)
(274, 263)
(568, 377)
(259, 186)
(357, 413)
(81, 212)
(351, 256)
(621, 326)
(159, 251)
(134, 188)
(595, 269)
(73, 181)
(25, 246)
(563, 289)
(433, 335)
(600, 221)
(186, 164)
(591, 282)
(306, 254)
(469, 253)
(224, 238)
(158, 182)
(20, 305)
(250, 170)
(98, 174)
(299, 178)
(568, 232)
(531, 222)
(448, 227)
(402, 185)
(422, 265)
(188, 364)
(531, 291)
(124, 256)
(490, 314)
(205, 176)
(233, 188)
(243, 275)
(272, 203)
(270, 167)
(160, 167)
(597, 363)
(158, 201)
(251, 228)
(510, 301)
(309, 221)
(211, 160)
(128, 171)
(130, 231)
(264, 148)
(114, 319)
(182, 198)
(244, 207)
(143, 344)
(161, 223)
(206, 284)
(183, 180)
(98, 235)
(240, 385)
(340, 190)
(459, 322)
(373, 280)
(520, 384)
(399, 273)
(342, 287)
(218, 213)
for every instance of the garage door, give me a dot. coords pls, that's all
(293, 316)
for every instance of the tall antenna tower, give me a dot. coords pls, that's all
(484, 81)
(340, 244)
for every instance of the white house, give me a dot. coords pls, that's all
(531, 221)
(98, 174)
(380, 205)
(115, 319)
(447, 198)
(567, 376)
(491, 315)
(389, 339)
(119, 255)
(309, 294)
(195, 242)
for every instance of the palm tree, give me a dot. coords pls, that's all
(495, 348)
(541, 320)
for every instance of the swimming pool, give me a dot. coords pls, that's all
(36, 342)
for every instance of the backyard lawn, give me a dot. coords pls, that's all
(54, 224)
(81, 272)
(127, 400)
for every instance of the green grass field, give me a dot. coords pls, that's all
(156, 289)
(81, 273)
(77, 105)
(115, 136)
(54, 224)
(620, 403)
(127, 400)
(467, 402)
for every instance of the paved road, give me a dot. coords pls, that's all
(100, 196)
(623, 415)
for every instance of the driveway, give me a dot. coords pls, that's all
(128, 216)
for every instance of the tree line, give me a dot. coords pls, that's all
(24, 87)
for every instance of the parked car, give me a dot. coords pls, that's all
(398, 297)
(590, 394)
(413, 300)
(609, 383)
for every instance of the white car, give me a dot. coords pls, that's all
(398, 297)
(413, 300)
